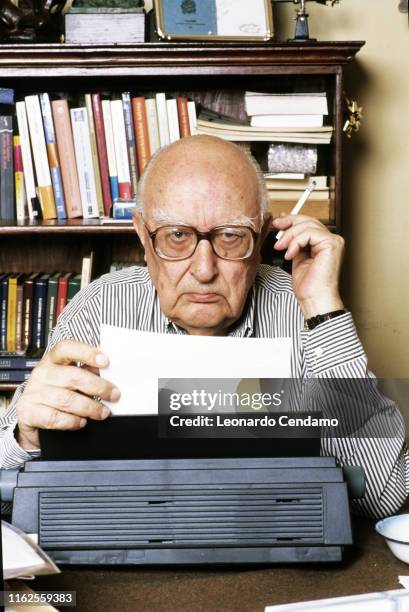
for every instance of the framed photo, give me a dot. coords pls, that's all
(214, 19)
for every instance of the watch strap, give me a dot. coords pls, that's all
(312, 322)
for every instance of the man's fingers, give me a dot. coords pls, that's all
(70, 402)
(299, 228)
(71, 351)
(45, 417)
(76, 379)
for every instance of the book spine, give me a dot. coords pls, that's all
(141, 131)
(94, 154)
(19, 317)
(6, 168)
(11, 314)
(86, 270)
(3, 314)
(28, 296)
(17, 363)
(173, 119)
(163, 122)
(45, 188)
(65, 146)
(50, 318)
(109, 138)
(40, 301)
(102, 152)
(74, 285)
(153, 125)
(121, 150)
(184, 126)
(130, 141)
(21, 200)
(14, 375)
(83, 158)
(191, 109)
(27, 160)
(53, 160)
(62, 294)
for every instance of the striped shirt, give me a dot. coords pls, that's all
(332, 350)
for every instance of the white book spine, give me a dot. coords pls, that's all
(191, 111)
(121, 150)
(287, 121)
(163, 122)
(35, 124)
(153, 126)
(109, 137)
(173, 120)
(26, 156)
(83, 157)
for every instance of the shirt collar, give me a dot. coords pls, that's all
(244, 327)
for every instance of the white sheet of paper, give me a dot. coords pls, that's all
(241, 17)
(138, 359)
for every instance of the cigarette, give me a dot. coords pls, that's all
(304, 197)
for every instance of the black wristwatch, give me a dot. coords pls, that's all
(314, 321)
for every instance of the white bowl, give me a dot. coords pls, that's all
(395, 530)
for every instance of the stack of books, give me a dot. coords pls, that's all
(274, 118)
(76, 160)
(284, 190)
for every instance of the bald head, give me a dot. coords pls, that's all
(202, 167)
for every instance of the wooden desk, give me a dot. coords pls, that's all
(371, 567)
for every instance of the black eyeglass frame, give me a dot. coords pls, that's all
(203, 236)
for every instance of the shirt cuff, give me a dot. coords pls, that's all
(14, 454)
(331, 344)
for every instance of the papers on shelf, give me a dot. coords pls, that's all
(387, 601)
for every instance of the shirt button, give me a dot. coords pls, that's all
(319, 351)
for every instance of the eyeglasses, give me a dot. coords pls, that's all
(177, 242)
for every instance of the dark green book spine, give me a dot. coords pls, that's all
(50, 317)
(74, 285)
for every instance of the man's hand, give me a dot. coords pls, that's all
(59, 394)
(316, 256)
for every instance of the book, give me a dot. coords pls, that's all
(140, 120)
(109, 139)
(173, 120)
(44, 185)
(83, 158)
(163, 123)
(19, 189)
(121, 150)
(86, 270)
(257, 103)
(4, 289)
(102, 152)
(28, 308)
(320, 209)
(53, 159)
(183, 114)
(19, 314)
(153, 125)
(94, 154)
(65, 146)
(295, 194)
(39, 312)
(28, 170)
(11, 313)
(62, 293)
(50, 316)
(15, 376)
(104, 25)
(74, 285)
(130, 142)
(6, 154)
(191, 109)
(287, 121)
(20, 362)
(285, 175)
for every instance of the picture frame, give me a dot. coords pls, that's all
(212, 20)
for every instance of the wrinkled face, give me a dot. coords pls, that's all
(204, 187)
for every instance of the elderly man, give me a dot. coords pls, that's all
(202, 221)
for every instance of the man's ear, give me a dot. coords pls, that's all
(266, 227)
(139, 226)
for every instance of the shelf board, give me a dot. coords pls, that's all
(9, 386)
(70, 226)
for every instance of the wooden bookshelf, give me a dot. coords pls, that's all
(54, 245)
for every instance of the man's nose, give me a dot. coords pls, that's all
(204, 262)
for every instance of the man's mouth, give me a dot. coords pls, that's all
(202, 298)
